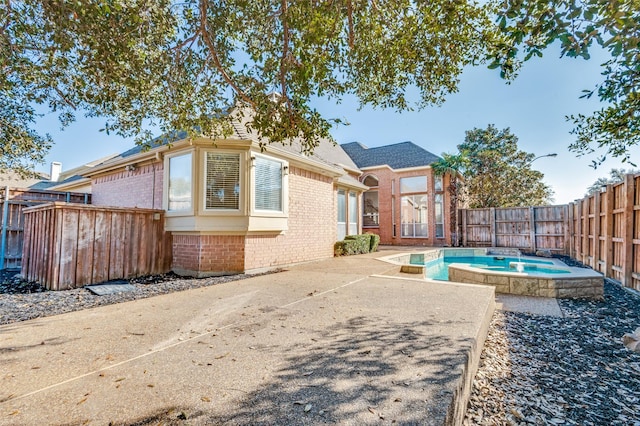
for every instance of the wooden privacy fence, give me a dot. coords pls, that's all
(525, 228)
(71, 245)
(14, 200)
(606, 231)
(601, 230)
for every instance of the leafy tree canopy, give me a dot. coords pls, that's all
(498, 174)
(529, 26)
(181, 65)
(615, 176)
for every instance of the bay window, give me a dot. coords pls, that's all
(179, 188)
(222, 181)
(268, 190)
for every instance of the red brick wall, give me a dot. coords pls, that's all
(201, 255)
(312, 225)
(385, 230)
(310, 235)
(130, 189)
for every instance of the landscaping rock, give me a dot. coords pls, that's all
(632, 340)
(572, 370)
(544, 253)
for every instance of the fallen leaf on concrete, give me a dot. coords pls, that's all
(13, 413)
(206, 399)
(82, 401)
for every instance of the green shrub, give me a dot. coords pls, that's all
(363, 242)
(345, 248)
(357, 244)
(375, 242)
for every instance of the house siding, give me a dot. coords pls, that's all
(311, 225)
(130, 188)
(388, 198)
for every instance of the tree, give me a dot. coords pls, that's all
(528, 27)
(183, 65)
(453, 166)
(615, 176)
(497, 174)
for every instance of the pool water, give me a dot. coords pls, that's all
(439, 269)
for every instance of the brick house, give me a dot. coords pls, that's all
(406, 204)
(234, 207)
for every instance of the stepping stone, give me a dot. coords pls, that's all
(110, 287)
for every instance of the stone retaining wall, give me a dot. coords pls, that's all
(586, 287)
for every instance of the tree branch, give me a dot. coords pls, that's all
(350, 23)
(285, 57)
(213, 54)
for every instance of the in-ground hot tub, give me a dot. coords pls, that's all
(507, 271)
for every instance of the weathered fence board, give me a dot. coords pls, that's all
(526, 228)
(14, 200)
(606, 229)
(71, 245)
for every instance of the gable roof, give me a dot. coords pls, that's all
(327, 153)
(397, 156)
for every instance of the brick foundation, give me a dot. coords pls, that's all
(207, 255)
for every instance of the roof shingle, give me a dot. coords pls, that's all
(397, 156)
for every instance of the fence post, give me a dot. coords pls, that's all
(492, 225)
(596, 231)
(627, 267)
(5, 218)
(608, 233)
(568, 229)
(585, 231)
(532, 230)
(463, 221)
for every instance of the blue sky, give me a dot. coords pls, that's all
(533, 106)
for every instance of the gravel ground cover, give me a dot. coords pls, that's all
(561, 371)
(534, 369)
(21, 301)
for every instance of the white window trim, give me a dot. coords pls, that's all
(166, 178)
(284, 165)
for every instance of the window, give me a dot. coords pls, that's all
(439, 207)
(222, 181)
(437, 183)
(353, 213)
(413, 207)
(268, 184)
(370, 215)
(179, 183)
(342, 214)
(413, 184)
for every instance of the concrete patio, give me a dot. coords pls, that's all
(337, 341)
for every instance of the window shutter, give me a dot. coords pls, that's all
(268, 184)
(223, 181)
